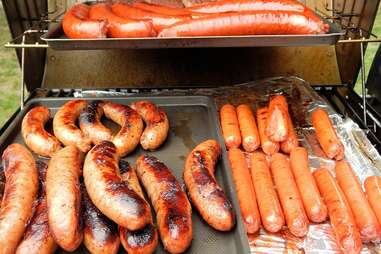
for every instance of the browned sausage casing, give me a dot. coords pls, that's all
(127, 139)
(100, 234)
(142, 241)
(64, 197)
(20, 192)
(173, 210)
(38, 238)
(157, 123)
(109, 193)
(34, 134)
(91, 125)
(205, 193)
(64, 125)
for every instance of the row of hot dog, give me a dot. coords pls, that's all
(275, 189)
(221, 18)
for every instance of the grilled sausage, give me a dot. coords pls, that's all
(248, 127)
(157, 124)
(230, 126)
(109, 193)
(173, 210)
(38, 238)
(277, 128)
(204, 192)
(34, 134)
(131, 127)
(20, 192)
(100, 234)
(64, 197)
(91, 125)
(64, 125)
(77, 25)
(119, 27)
(372, 186)
(269, 147)
(142, 241)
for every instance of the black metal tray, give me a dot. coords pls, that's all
(193, 119)
(56, 39)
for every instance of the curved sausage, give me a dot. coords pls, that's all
(292, 140)
(119, 27)
(230, 126)
(248, 127)
(100, 234)
(204, 192)
(77, 25)
(326, 135)
(91, 125)
(64, 125)
(268, 202)
(340, 215)
(131, 127)
(109, 193)
(161, 9)
(157, 124)
(313, 203)
(269, 147)
(245, 190)
(64, 197)
(364, 216)
(173, 210)
(142, 241)
(37, 237)
(277, 128)
(34, 134)
(296, 219)
(20, 192)
(372, 186)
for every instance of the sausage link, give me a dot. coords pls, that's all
(64, 125)
(157, 124)
(245, 190)
(204, 192)
(109, 193)
(248, 127)
(373, 191)
(292, 140)
(34, 134)
(161, 9)
(277, 128)
(127, 139)
(230, 126)
(364, 216)
(64, 197)
(20, 192)
(268, 146)
(340, 215)
(173, 210)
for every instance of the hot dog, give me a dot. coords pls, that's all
(326, 135)
(118, 27)
(268, 146)
(159, 21)
(127, 139)
(173, 210)
(34, 134)
(245, 190)
(292, 140)
(296, 219)
(157, 124)
(161, 9)
(20, 192)
(315, 208)
(248, 127)
(277, 128)
(100, 234)
(77, 25)
(340, 215)
(64, 125)
(372, 186)
(230, 126)
(204, 192)
(364, 216)
(142, 241)
(109, 193)
(38, 238)
(246, 23)
(268, 202)
(63, 196)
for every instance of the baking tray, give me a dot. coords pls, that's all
(56, 39)
(193, 119)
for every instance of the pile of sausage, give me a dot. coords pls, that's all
(275, 189)
(221, 18)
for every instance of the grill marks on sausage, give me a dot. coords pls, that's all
(139, 238)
